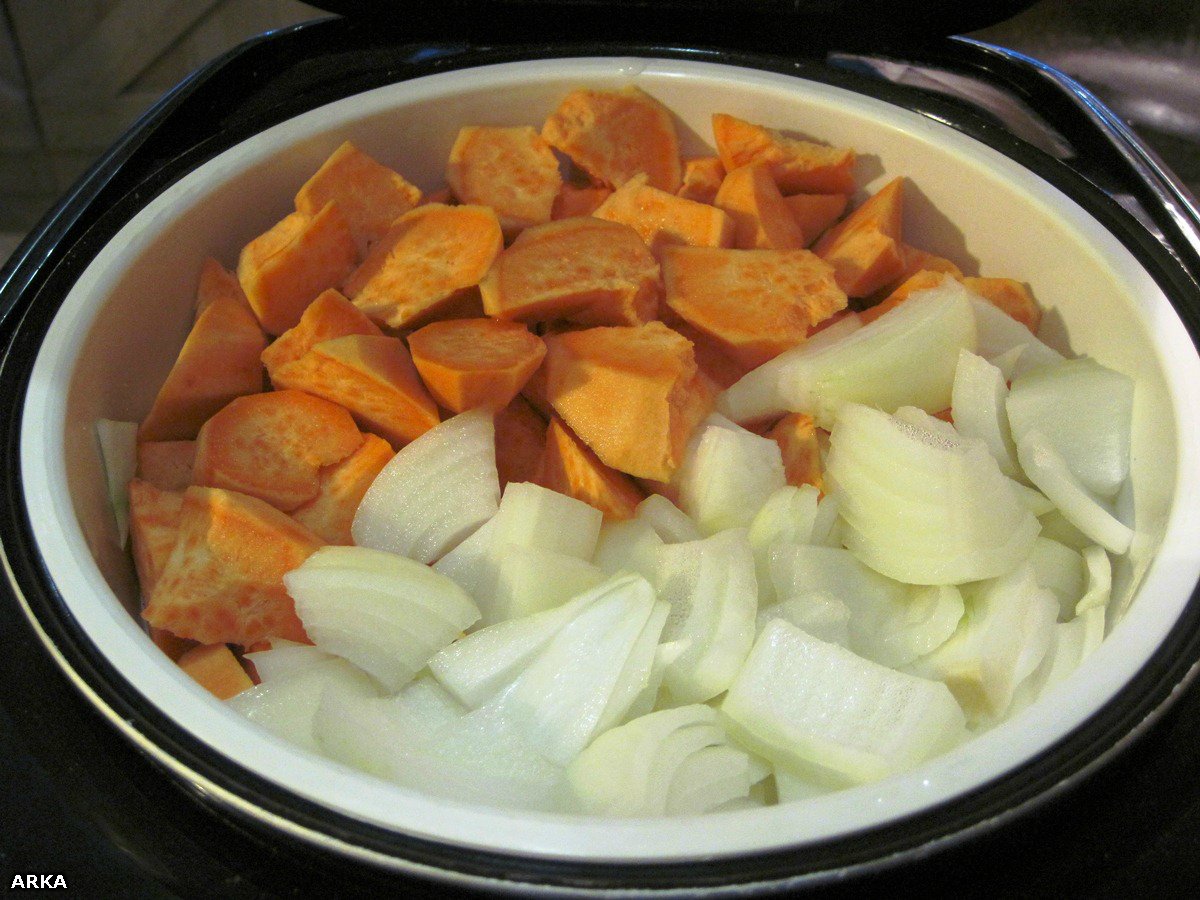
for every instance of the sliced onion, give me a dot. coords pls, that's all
(714, 778)
(1059, 569)
(529, 580)
(999, 334)
(727, 476)
(669, 522)
(118, 453)
(533, 516)
(627, 546)
(788, 515)
(977, 405)
(468, 563)
(1099, 581)
(285, 659)
(822, 615)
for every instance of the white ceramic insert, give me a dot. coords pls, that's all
(120, 327)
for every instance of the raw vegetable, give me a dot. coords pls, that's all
(511, 170)
(762, 220)
(797, 166)
(662, 219)
(118, 454)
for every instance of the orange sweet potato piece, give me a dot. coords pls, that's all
(865, 247)
(520, 440)
(702, 179)
(1011, 296)
(330, 316)
(343, 484)
(282, 270)
(585, 269)
(573, 200)
(814, 213)
(534, 393)
(762, 218)
(570, 467)
(512, 170)
(662, 219)
(369, 194)
(442, 195)
(216, 669)
(218, 362)
(721, 368)
(632, 394)
(796, 436)
(272, 446)
(917, 260)
(217, 281)
(223, 582)
(918, 281)
(467, 363)
(754, 303)
(166, 464)
(430, 258)
(371, 376)
(153, 527)
(614, 135)
(796, 166)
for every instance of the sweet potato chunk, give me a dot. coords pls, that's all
(282, 270)
(217, 281)
(442, 195)
(467, 363)
(573, 200)
(763, 219)
(272, 446)
(796, 166)
(520, 440)
(512, 170)
(918, 281)
(166, 464)
(216, 669)
(702, 179)
(373, 377)
(754, 303)
(796, 436)
(1011, 296)
(330, 316)
(534, 393)
(586, 270)
(429, 258)
(369, 194)
(814, 213)
(865, 247)
(329, 514)
(223, 582)
(711, 354)
(614, 135)
(662, 219)
(632, 394)
(219, 361)
(153, 527)
(570, 467)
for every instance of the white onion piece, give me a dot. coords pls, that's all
(627, 546)
(285, 659)
(1099, 581)
(715, 778)
(468, 564)
(643, 672)
(1050, 473)
(712, 590)
(669, 522)
(1007, 361)
(822, 615)
(118, 453)
(1059, 569)
(385, 613)
(843, 327)
(906, 357)
(1034, 501)
(286, 706)
(1073, 642)
(826, 530)
(790, 787)
(434, 492)
(533, 516)
(999, 334)
(529, 580)
(788, 515)
(727, 476)
(817, 708)
(977, 406)
(1085, 413)
(921, 507)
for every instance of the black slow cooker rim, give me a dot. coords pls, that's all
(249, 795)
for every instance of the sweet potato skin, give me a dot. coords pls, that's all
(570, 467)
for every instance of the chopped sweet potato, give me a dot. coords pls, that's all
(632, 394)
(570, 467)
(796, 436)
(166, 464)
(614, 135)
(219, 361)
(520, 440)
(573, 200)
(330, 316)
(217, 281)
(918, 281)
(153, 527)
(917, 260)
(283, 270)
(371, 376)
(1011, 296)
(342, 486)
(512, 170)
(272, 446)
(796, 166)
(585, 269)
(442, 195)
(865, 247)
(763, 220)
(663, 219)
(815, 213)
(467, 363)
(216, 669)
(721, 368)
(429, 258)
(534, 392)
(754, 303)
(946, 415)
(702, 179)
(223, 582)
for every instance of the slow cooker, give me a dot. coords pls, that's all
(87, 320)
